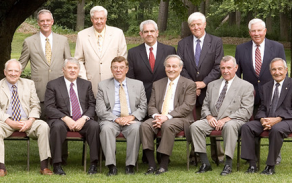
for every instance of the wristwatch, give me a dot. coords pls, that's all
(86, 118)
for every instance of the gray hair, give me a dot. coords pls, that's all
(98, 8)
(181, 63)
(228, 58)
(44, 11)
(148, 22)
(196, 16)
(71, 60)
(256, 20)
(278, 59)
(13, 60)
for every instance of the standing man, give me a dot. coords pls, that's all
(226, 110)
(274, 114)
(19, 112)
(121, 105)
(170, 110)
(70, 104)
(96, 47)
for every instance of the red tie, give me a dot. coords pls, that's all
(258, 61)
(76, 113)
(151, 59)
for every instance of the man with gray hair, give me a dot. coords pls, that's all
(97, 46)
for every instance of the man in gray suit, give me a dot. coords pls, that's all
(120, 105)
(226, 110)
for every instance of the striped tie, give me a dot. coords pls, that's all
(221, 96)
(15, 105)
(76, 113)
(258, 61)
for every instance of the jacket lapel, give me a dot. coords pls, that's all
(131, 94)
(144, 57)
(93, 41)
(266, 58)
(38, 47)
(190, 50)
(284, 92)
(64, 92)
(206, 47)
(108, 36)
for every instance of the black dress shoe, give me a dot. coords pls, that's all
(160, 171)
(92, 170)
(251, 169)
(130, 169)
(204, 168)
(268, 170)
(112, 171)
(151, 170)
(226, 170)
(58, 170)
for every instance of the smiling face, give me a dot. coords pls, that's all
(149, 34)
(257, 33)
(119, 70)
(71, 71)
(228, 69)
(45, 22)
(172, 68)
(98, 20)
(12, 72)
(278, 71)
(197, 28)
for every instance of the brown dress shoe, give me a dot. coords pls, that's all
(2, 173)
(46, 171)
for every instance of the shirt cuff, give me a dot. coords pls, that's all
(169, 116)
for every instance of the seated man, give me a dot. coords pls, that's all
(223, 113)
(121, 104)
(170, 110)
(20, 109)
(70, 103)
(274, 114)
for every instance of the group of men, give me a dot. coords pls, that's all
(102, 92)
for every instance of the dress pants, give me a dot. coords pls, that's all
(109, 131)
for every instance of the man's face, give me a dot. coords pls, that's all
(228, 70)
(149, 34)
(98, 21)
(278, 71)
(172, 68)
(45, 23)
(119, 70)
(12, 72)
(197, 28)
(257, 33)
(71, 71)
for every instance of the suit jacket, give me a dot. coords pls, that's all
(139, 66)
(27, 96)
(41, 71)
(57, 100)
(237, 104)
(284, 106)
(243, 56)
(105, 99)
(94, 66)
(184, 100)
(208, 68)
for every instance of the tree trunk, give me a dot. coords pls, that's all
(185, 30)
(291, 43)
(207, 4)
(203, 7)
(163, 15)
(238, 18)
(269, 21)
(232, 18)
(80, 15)
(12, 14)
(284, 26)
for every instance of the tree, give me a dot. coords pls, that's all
(80, 15)
(12, 14)
(163, 15)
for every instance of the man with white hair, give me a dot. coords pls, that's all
(97, 46)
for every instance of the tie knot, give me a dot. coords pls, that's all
(150, 48)
(71, 85)
(277, 84)
(171, 83)
(14, 87)
(198, 40)
(99, 36)
(47, 39)
(226, 82)
(258, 45)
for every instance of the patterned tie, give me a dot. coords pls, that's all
(76, 113)
(198, 52)
(274, 101)
(99, 42)
(48, 51)
(151, 59)
(221, 96)
(15, 105)
(123, 102)
(165, 107)
(258, 61)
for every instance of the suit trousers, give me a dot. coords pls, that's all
(39, 130)
(200, 129)
(168, 131)
(109, 131)
(253, 129)
(58, 135)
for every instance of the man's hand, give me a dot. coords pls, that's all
(212, 121)
(200, 84)
(69, 122)
(27, 124)
(221, 123)
(159, 120)
(16, 125)
(79, 124)
(268, 123)
(198, 92)
(128, 120)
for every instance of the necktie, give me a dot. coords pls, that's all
(165, 107)
(99, 42)
(151, 59)
(274, 101)
(221, 96)
(48, 51)
(258, 61)
(76, 113)
(15, 105)
(123, 102)
(198, 52)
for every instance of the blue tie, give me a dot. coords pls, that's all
(198, 52)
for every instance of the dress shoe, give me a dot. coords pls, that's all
(92, 170)
(151, 170)
(278, 162)
(46, 171)
(251, 169)
(58, 170)
(112, 171)
(3, 173)
(204, 168)
(268, 170)
(160, 171)
(226, 170)
(130, 170)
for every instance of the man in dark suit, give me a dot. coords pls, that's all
(70, 104)
(170, 110)
(274, 114)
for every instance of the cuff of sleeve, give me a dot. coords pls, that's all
(169, 116)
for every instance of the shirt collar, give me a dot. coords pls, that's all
(154, 46)
(102, 32)
(43, 37)
(117, 84)
(261, 45)
(201, 39)
(68, 83)
(281, 82)
(175, 81)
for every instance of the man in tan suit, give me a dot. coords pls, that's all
(20, 110)
(170, 110)
(97, 46)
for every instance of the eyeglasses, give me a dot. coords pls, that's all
(120, 68)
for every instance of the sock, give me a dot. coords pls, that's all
(44, 164)
(204, 158)
(110, 166)
(252, 163)
(2, 166)
(164, 161)
(228, 161)
(150, 157)
(94, 163)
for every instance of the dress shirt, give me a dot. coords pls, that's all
(43, 42)
(117, 106)
(68, 83)
(262, 50)
(222, 85)
(154, 50)
(279, 88)
(201, 43)
(102, 35)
